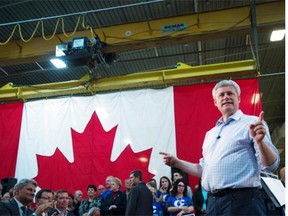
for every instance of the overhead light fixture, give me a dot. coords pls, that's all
(277, 35)
(82, 51)
(58, 63)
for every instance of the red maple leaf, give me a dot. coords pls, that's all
(92, 151)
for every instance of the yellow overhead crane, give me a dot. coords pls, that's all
(143, 79)
(201, 26)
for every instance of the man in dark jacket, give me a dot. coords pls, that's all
(140, 200)
(19, 205)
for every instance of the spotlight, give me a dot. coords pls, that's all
(277, 35)
(58, 63)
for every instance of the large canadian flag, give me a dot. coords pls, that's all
(68, 143)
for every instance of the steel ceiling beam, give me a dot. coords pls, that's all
(200, 26)
(162, 78)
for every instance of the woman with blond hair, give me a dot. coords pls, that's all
(115, 202)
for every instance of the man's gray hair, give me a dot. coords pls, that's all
(24, 182)
(93, 210)
(226, 83)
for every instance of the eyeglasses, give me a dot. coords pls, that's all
(100, 189)
(46, 198)
(183, 186)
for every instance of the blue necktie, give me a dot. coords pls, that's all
(23, 210)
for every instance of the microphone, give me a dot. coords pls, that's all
(218, 137)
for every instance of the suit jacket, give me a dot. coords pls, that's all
(140, 201)
(53, 210)
(10, 208)
(120, 201)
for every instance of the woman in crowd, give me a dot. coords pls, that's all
(91, 201)
(115, 202)
(179, 203)
(157, 207)
(164, 188)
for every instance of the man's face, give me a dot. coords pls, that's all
(100, 189)
(127, 184)
(26, 194)
(176, 176)
(133, 180)
(227, 100)
(62, 201)
(46, 197)
(108, 180)
(79, 196)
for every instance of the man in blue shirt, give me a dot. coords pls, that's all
(234, 152)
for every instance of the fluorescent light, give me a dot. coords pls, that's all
(277, 35)
(58, 63)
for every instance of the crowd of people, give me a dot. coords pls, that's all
(235, 151)
(171, 198)
(135, 198)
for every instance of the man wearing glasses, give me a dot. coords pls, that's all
(44, 200)
(100, 189)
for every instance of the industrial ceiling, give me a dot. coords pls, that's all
(156, 43)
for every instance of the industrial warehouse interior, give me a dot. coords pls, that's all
(120, 45)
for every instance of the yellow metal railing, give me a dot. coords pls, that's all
(86, 85)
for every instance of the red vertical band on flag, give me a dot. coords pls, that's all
(10, 124)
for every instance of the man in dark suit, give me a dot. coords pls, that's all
(140, 199)
(62, 201)
(19, 205)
